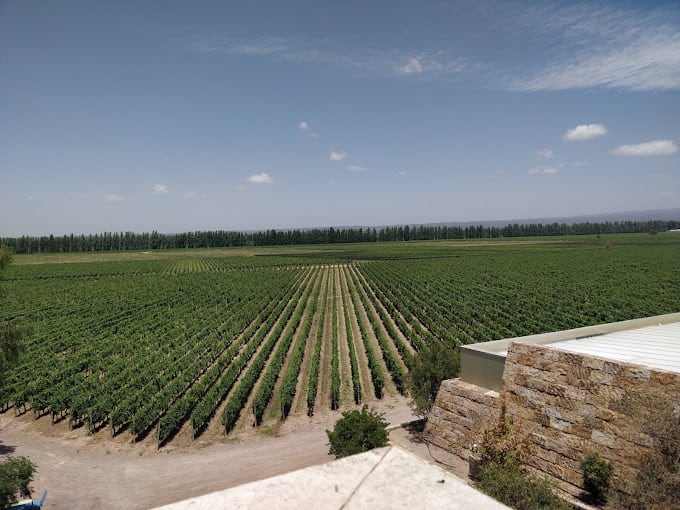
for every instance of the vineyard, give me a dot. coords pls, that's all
(200, 340)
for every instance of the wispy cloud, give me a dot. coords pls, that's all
(609, 47)
(546, 170)
(585, 132)
(191, 195)
(113, 198)
(412, 67)
(303, 127)
(653, 148)
(357, 169)
(263, 178)
(337, 156)
(402, 173)
(261, 47)
(544, 154)
(160, 189)
(393, 62)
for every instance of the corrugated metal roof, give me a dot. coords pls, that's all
(652, 346)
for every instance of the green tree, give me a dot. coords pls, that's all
(16, 473)
(357, 432)
(430, 367)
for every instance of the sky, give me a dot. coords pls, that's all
(180, 116)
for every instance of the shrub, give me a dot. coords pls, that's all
(357, 431)
(502, 444)
(430, 367)
(16, 473)
(501, 475)
(596, 474)
(512, 486)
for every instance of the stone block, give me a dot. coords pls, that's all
(561, 425)
(637, 374)
(612, 368)
(603, 438)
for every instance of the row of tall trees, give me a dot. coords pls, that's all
(124, 241)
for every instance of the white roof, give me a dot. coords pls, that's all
(651, 346)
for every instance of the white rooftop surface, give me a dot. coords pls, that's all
(651, 346)
(386, 478)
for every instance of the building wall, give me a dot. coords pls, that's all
(460, 412)
(568, 404)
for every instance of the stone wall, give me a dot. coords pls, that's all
(460, 413)
(568, 404)
(571, 404)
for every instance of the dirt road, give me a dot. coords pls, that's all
(85, 472)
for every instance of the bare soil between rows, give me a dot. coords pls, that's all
(82, 471)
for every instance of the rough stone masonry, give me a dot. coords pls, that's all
(568, 404)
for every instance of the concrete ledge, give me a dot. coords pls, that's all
(482, 363)
(389, 478)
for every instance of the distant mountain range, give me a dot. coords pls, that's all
(649, 215)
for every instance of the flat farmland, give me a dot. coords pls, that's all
(166, 347)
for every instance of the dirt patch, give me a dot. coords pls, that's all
(84, 472)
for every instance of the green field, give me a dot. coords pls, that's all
(155, 341)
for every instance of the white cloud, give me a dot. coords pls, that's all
(608, 47)
(585, 132)
(357, 169)
(547, 170)
(544, 154)
(160, 189)
(112, 197)
(653, 148)
(304, 128)
(262, 178)
(337, 156)
(412, 67)
(403, 173)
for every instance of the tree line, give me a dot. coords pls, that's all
(131, 241)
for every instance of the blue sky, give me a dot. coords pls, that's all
(176, 116)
